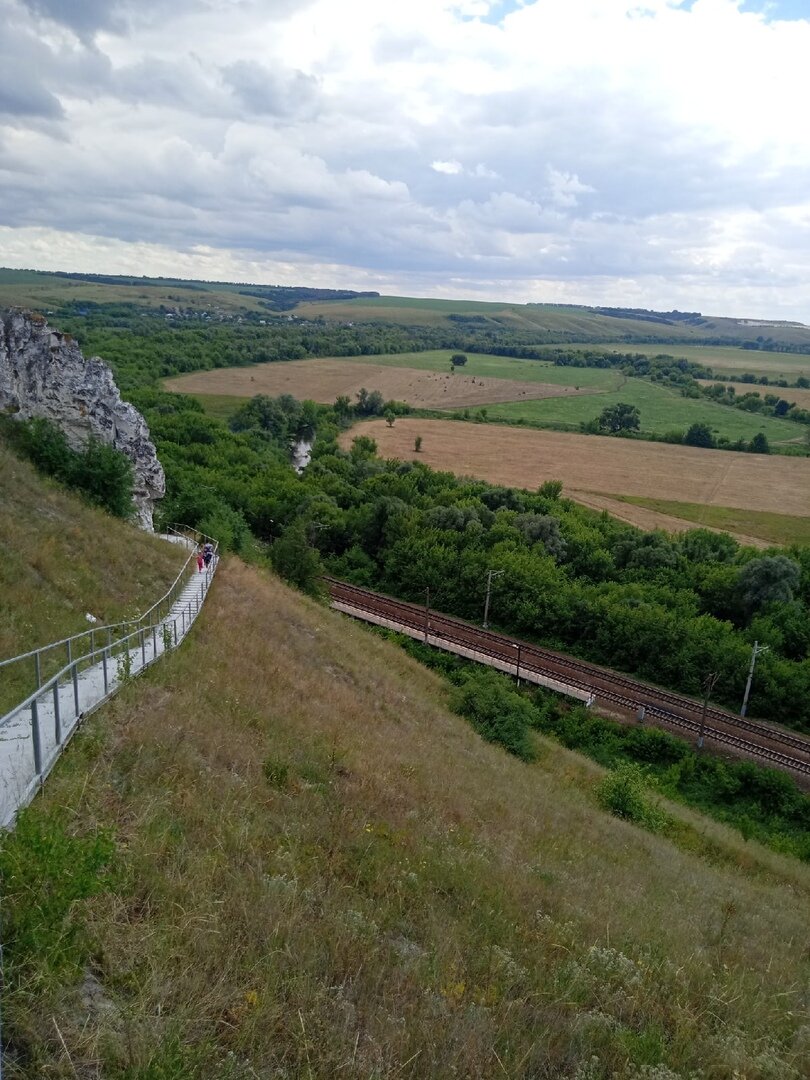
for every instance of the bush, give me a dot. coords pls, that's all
(104, 474)
(498, 713)
(624, 793)
(99, 471)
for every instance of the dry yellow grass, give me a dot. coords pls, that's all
(325, 873)
(325, 380)
(601, 465)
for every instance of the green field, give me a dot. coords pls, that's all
(661, 409)
(220, 406)
(578, 324)
(776, 528)
(498, 367)
(725, 359)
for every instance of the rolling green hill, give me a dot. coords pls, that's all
(544, 322)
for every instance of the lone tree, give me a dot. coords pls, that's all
(296, 560)
(390, 417)
(619, 417)
(759, 444)
(458, 359)
(700, 435)
(417, 443)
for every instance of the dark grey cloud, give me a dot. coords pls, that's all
(84, 17)
(272, 92)
(23, 96)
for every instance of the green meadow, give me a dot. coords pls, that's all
(662, 410)
(779, 529)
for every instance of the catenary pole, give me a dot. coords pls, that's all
(490, 575)
(757, 649)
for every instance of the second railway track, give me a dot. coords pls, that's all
(767, 743)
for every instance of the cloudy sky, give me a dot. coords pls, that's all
(635, 152)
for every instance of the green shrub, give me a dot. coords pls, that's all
(100, 472)
(624, 793)
(498, 713)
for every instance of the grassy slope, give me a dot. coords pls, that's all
(46, 292)
(578, 322)
(321, 872)
(62, 558)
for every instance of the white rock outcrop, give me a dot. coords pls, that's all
(43, 373)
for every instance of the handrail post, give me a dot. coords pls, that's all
(35, 739)
(76, 687)
(104, 668)
(38, 668)
(57, 719)
(143, 647)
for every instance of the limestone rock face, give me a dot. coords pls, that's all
(43, 373)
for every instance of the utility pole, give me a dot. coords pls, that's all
(490, 575)
(518, 646)
(427, 611)
(757, 649)
(708, 686)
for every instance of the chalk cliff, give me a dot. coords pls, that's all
(43, 373)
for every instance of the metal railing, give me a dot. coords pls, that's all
(95, 663)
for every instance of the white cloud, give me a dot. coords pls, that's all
(450, 168)
(582, 147)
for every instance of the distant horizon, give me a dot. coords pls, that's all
(752, 319)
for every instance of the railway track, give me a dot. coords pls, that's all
(782, 749)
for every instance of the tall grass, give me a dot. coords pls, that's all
(321, 872)
(61, 559)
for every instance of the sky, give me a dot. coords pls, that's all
(645, 153)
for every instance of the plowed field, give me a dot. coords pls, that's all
(324, 380)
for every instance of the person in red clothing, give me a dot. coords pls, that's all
(200, 560)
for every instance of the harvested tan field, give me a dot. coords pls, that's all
(792, 394)
(602, 465)
(325, 380)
